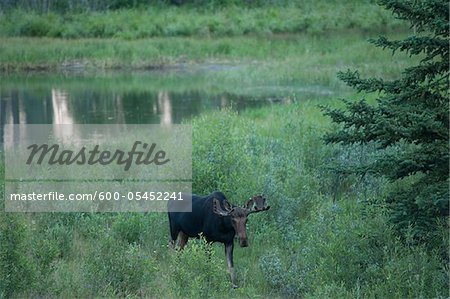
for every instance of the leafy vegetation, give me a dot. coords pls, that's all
(275, 60)
(145, 38)
(160, 36)
(329, 233)
(168, 22)
(409, 123)
(306, 246)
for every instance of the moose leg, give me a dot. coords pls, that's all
(173, 238)
(229, 256)
(182, 239)
(174, 230)
(171, 243)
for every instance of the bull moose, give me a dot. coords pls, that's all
(217, 220)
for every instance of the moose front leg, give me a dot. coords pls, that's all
(229, 256)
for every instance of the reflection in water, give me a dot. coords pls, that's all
(13, 112)
(119, 114)
(61, 111)
(92, 106)
(166, 108)
(62, 115)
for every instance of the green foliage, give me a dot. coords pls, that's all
(68, 280)
(231, 155)
(70, 6)
(345, 250)
(306, 246)
(197, 272)
(279, 64)
(221, 160)
(171, 21)
(410, 122)
(115, 268)
(17, 272)
(66, 6)
(128, 227)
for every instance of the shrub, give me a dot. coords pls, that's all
(409, 123)
(45, 253)
(346, 250)
(113, 267)
(197, 272)
(17, 271)
(220, 158)
(128, 227)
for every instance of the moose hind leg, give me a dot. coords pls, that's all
(182, 239)
(173, 235)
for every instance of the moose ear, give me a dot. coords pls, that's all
(217, 209)
(227, 205)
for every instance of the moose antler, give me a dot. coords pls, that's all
(249, 204)
(258, 203)
(218, 209)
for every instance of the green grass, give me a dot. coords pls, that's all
(309, 17)
(277, 61)
(305, 246)
(159, 36)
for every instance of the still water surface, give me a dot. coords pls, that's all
(152, 97)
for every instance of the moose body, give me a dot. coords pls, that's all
(214, 218)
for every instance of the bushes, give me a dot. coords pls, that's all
(318, 248)
(350, 251)
(220, 158)
(172, 21)
(71, 6)
(197, 272)
(128, 227)
(17, 272)
(66, 6)
(306, 246)
(115, 268)
(241, 157)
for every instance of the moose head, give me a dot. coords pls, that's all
(239, 214)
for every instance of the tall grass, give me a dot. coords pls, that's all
(307, 245)
(70, 6)
(277, 59)
(325, 236)
(157, 21)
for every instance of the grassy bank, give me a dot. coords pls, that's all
(307, 246)
(279, 59)
(153, 21)
(160, 36)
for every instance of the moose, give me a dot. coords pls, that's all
(214, 218)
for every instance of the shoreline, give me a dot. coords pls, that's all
(28, 54)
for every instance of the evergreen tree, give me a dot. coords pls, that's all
(409, 124)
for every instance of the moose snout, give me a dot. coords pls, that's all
(243, 242)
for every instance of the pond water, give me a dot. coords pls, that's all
(145, 97)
